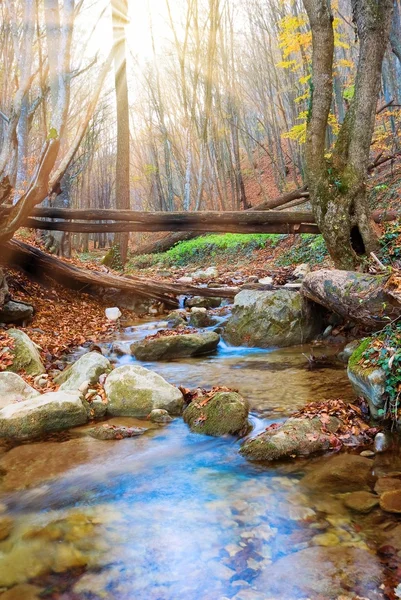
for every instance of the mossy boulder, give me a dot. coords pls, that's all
(368, 382)
(199, 319)
(88, 368)
(54, 411)
(272, 318)
(225, 413)
(202, 302)
(294, 437)
(25, 354)
(176, 346)
(14, 389)
(133, 391)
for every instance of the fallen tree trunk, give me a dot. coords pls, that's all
(34, 261)
(359, 297)
(226, 226)
(171, 239)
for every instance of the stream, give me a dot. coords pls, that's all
(173, 515)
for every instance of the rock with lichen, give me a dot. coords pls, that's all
(25, 354)
(223, 413)
(367, 381)
(133, 391)
(165, 347)
(88, 368)
(294, 437)
(272, 318)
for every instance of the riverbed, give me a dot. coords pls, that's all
(174, 515)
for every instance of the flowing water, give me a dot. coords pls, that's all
(173, 515)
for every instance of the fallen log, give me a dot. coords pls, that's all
(35, 261)
(220, 226)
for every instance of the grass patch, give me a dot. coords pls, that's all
(208, 247)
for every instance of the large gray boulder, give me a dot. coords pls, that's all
(133, 391)
(357, 297)
(176, 346)
(294, 437)
(224, 413)
(272, 318)
(50, 412)
(368, 382)
(88, 368)
(322, 572)
(25, 354)
(14, 389)
(15, 312)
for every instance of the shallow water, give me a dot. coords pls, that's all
(174, 515)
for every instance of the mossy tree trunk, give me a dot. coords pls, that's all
(337, 186)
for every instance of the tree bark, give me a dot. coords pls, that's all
(338, 187)
(120, 19)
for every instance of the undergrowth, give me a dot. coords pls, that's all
(390, 243)
(309, 248)
(384, 351)
(207, 247)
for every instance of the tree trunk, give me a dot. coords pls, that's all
(120, 19)
(338, 190)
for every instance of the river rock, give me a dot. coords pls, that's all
(295, 437)
(176, 318)
(176, 346)
(87, 368)
(348, 350)
(358, 297)
(362, 502)
(368, 382)
(15, 312)
(323, 572)
(25, 354)
(96, 408)
(6, 527)
(23, 591)
(271, 318)
(49, 412)
(158, 415)
(115, 432)
(341, 473)
(301, 271)
(383, 442)
(134, 391)
(387, 484)
(202, 302)
(391, 501)
(201, 319)
(224, 413)
(14, 389)
(209, 273)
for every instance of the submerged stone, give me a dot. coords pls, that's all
(134, 391)
(362, 502)
(341, 473)
(115, 432)
(272, 318)
(224, 413)
(294, 437)
(391, 501)
(176, 346)
(321, 571)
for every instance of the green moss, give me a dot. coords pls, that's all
(225, 413)
(25, 354)
(124, 400)
(357, 356)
